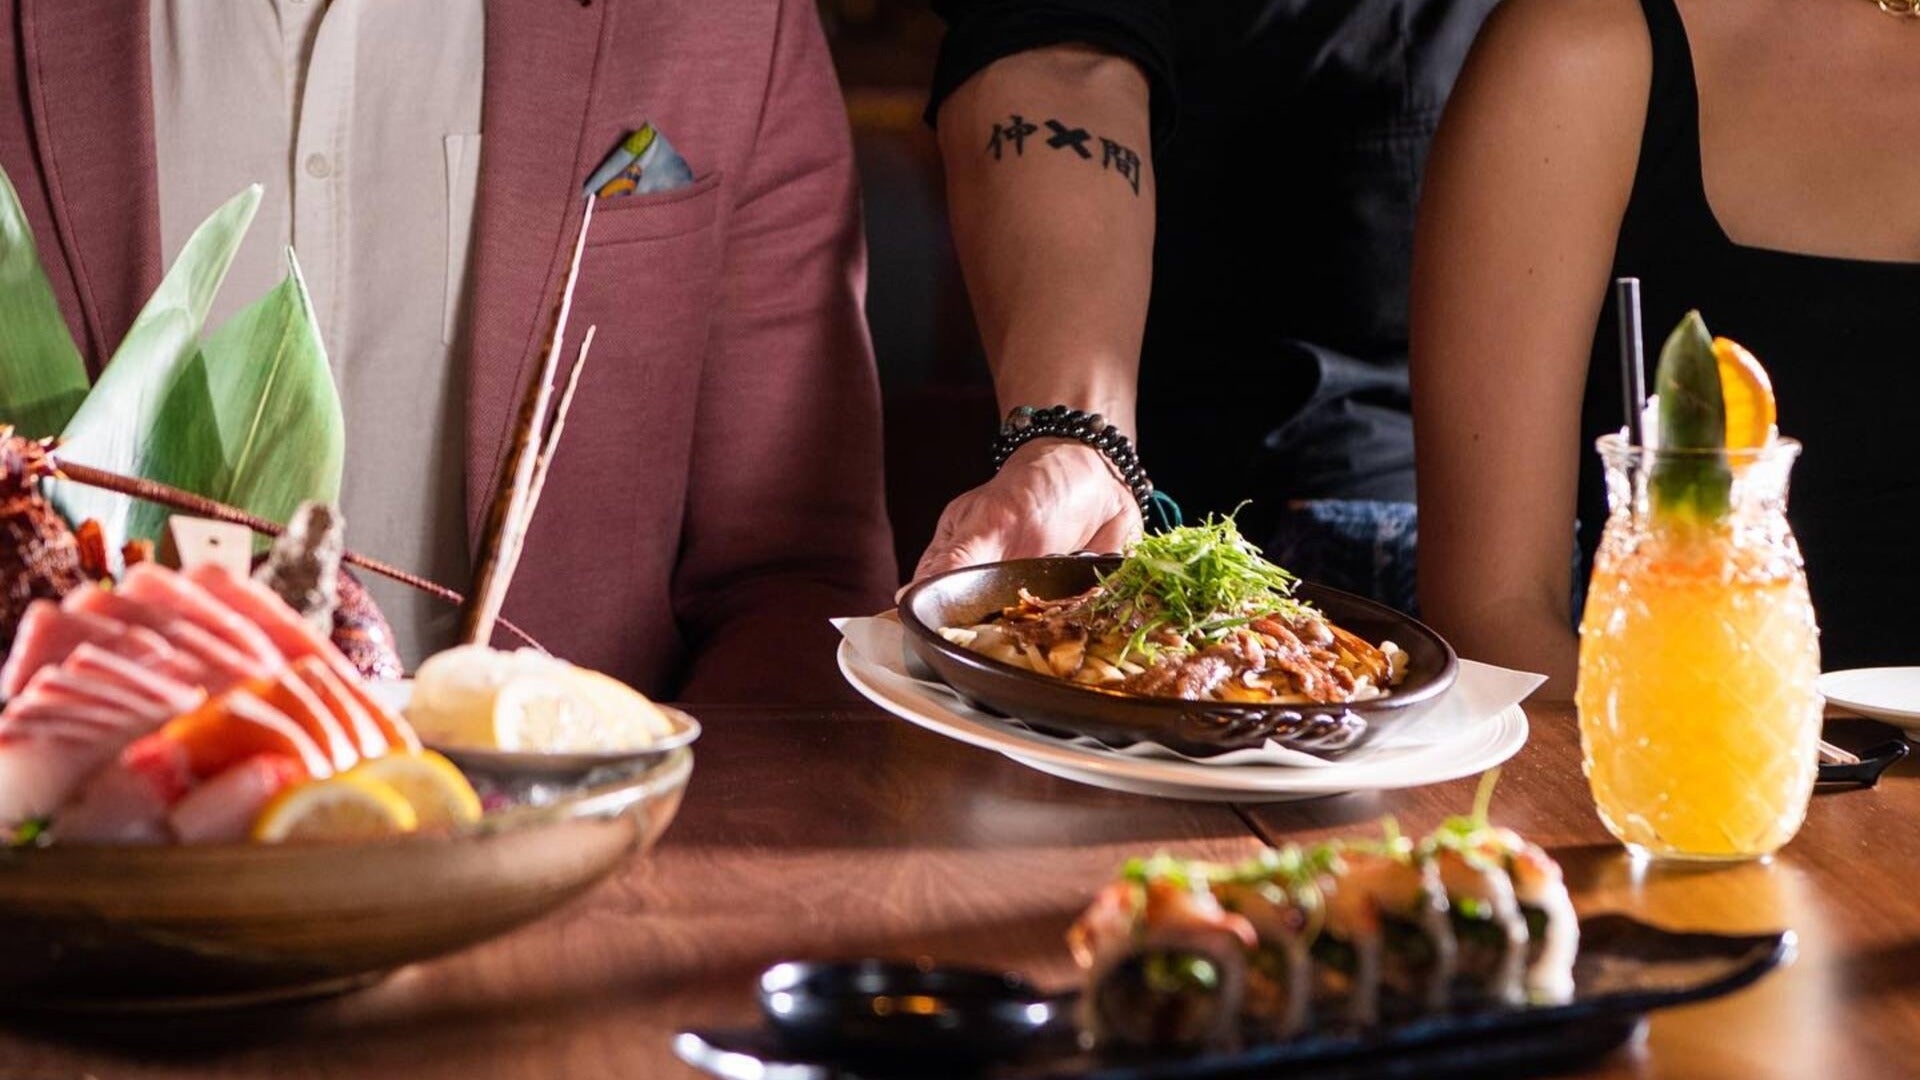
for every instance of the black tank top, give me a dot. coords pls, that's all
(1841, 340)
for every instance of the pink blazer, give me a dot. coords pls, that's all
(717, 496)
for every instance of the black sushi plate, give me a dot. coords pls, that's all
(1626, 969)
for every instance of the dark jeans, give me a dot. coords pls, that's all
(1363, 546)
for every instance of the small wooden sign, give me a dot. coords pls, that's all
(192, 542)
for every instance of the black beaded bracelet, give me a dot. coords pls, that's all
(1027, 423)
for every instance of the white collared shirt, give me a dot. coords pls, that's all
(362, 120)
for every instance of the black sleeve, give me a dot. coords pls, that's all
(982, 31)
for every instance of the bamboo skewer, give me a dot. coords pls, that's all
(512, 510)
(552, 442)
(189, 503)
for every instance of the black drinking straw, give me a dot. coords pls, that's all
(1633, 356)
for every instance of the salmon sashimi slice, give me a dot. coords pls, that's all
(101, 667)
(172, 591)
(292, 696)
(48, 635)
(236, 725)
(368, 735)
(222, 810)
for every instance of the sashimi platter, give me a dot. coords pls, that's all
(211, 790)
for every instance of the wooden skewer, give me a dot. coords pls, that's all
(1833, 755)
(508, 518)
(187, 502)
(552, 443)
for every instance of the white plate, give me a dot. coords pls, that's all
(1479, 749)
(1885, 693)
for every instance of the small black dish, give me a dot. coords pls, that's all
(880, 1008)
(1195, 728)
(1866, 772)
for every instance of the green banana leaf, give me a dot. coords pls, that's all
(256, 422)
(42, 377)
(114, 427)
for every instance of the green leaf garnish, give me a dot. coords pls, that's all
(1197, 582)
(42, 377)
(1693, 417)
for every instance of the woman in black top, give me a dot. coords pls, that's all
(1746, 157)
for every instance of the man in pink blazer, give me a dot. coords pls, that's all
(717, 496)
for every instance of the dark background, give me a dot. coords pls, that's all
(940, 413)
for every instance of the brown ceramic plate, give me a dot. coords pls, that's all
(1197, 728)
(143, 928)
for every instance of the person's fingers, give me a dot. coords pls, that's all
(1119, 531)
(958, 541)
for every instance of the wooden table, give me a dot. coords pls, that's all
(833, 834)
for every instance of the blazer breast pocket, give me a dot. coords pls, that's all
(661, 215)
(650, 279)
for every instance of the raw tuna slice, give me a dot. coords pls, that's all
(48, 635)
(223, 666)
(296, 638)
(292, 696)
(97, 665)
(367, 734)
(27, 711)
(175, 592)
(226, 664)
(222, 810)
(64, 686)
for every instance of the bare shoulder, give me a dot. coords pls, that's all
(1594, 51)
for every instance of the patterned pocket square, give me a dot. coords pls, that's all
(644, 163)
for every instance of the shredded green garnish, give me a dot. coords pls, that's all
(30, 832)
(1198, 582)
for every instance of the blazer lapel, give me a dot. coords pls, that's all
(89, 90)
(540, 60)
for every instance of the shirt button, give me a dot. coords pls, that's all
(319, 167)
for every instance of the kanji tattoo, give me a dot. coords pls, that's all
(1121, 160)
(1114, 157)
(1015, 132)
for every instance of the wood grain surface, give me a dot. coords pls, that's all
(809, 834)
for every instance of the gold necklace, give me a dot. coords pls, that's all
(1900, 9)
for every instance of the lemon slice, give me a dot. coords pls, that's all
(571, 712)
(1748, 394)
(454, 691)
(340, 807)
(436, 790)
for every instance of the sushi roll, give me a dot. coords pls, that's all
(1489, 933)
(1166, 965)
(1278, 896)
(1346, 950)
(1546, 910)
(1416, 955)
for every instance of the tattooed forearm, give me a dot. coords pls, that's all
(1114, 157)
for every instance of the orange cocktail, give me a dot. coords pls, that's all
(1699, 717)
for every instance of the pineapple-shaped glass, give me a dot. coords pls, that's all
(1699, 650)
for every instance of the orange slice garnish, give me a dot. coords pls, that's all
(1748, 394)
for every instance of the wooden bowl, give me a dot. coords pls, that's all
(154, 928)
(1196, 728)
